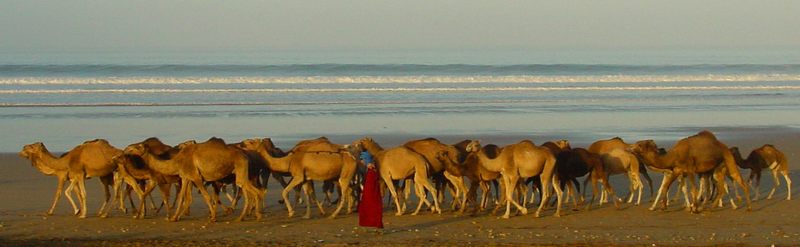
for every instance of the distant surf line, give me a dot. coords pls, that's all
(397, 89)
(400, 79)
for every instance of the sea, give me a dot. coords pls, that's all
(65, 98)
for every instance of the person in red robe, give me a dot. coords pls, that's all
(370, 208)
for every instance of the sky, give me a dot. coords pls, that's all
(149, 25)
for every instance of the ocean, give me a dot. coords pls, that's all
(63, 99)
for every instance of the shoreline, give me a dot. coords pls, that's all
(28, 194)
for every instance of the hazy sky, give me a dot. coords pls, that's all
(102, 25)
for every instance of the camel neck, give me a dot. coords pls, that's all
(280, 164)
(373, 148)
(48, 164)
(489, 164)
(742, 163)
(166, 167)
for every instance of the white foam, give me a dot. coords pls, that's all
(398, 79)
(397, 89)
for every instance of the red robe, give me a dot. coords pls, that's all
(370, 209)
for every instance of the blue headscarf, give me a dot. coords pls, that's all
(366, 157)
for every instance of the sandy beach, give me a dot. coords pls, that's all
(27, 195)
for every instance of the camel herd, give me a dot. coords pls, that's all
(507, 176)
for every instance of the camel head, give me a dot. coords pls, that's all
(563, 144)
(31, 149)
(136, 149)
(474, 146)
(185, 144)
(645, 148)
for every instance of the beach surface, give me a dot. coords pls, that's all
(27, 194)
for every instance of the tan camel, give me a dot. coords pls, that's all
(603, 147)
(400, 163)
(522, 160)
(197, 163)
(766, 156)
(621, 161)
(429, 148)
(477, 175)
(310, 160)
(49, 165)
(697, 154)
(90, 159)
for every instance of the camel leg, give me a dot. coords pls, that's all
(60, 186)
(757, 187)
(212, 206)
(107, 182)
(668, 178)
(68, 193)
(733, 171)
(421, 180)
(391, 186)
(344, 185)
(571, 192)
(511, 185)
(148, 189)
(637, 186)
(180, 200)
(594, 192)
(788, 185)
(285, 193)
(420, 191)
(775, 185)
(559, 195)
(82, 196)
(631, 188)
(460, 193)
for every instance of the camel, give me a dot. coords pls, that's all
(310, 160)
(766, 156)
(619, 161)
(697, 154)
(90, 159)
(399, 163)
(49, 165)
(522, 160)
(429, 148)
(481, 177)
(133, 168)
(602, 147)
(577, 162)
(197, 163)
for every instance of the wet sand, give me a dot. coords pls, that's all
(27, 194)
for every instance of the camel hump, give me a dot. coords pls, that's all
(152, 139)
(616, 138)
(96, 140)
(768, 146)
(705, 133)
(216, 140)
(527, 142)
(429, 139)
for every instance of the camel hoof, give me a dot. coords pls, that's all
(307, 216)
(103, 216)
(749, 209)
(524, 211)
(398, 214)
(558, 215)
(82, 217)
(506, 216)
(49, 213)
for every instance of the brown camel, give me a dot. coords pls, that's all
(310, 160)
(197, 163)
(429, 148)
(522, 160)
(697, 154)
(577, 162)
(766, 156)
(399, 163)
(90, 159)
